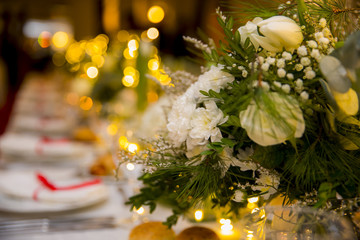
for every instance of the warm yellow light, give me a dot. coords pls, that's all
(251, 205)
(130, 54)
(92, 72)
(112, 129)
(132, 147)
(255, 210)
(250, 235)
(164, 79)
(198, 215)
(123, 35)
(123, 142)
(227, 229)
(156, 14)
(253, 199)
(128, 81)
(60, 39)
(133, 45)
(153, 64)
(75, 53)
(152, 33)
(130, 167)
(98, 60)
(130, 71)
(86, 103)
(140, 211)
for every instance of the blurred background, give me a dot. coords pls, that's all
(40, 35)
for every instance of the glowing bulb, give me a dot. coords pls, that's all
(156, 14)
(86, 103)
(152, 33)
(255, 210)
(112, 129)
(130, 167)
(92, 72)
(227, 229)
(133, 45)
(128, 81)
(153, 64)
(132, 147)
(198, 215)
(140, 211)
(251, 205)
(60, 39)
(253, 199)
(123, 142)
(222, 221)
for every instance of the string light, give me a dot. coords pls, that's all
(156, 14)
(130, 167)
(60, 39)
(198, 215)
(152, 33)
(86, 103)
(92, 72)
(132, 147)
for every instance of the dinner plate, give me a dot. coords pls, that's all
(18, 188)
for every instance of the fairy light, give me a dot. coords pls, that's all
(123, 142)
(199, 215)
(44, 39)
(60, 39)
(132, 147)
(249, 235)
(226, 227)
(152, 33)
(140, 211)
(153, 64)
(156, 14)
(86, 103)
(133, 45)
(92, 72)
(128, 81)
(130, 167)
(112, 129)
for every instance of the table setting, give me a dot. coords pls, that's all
(262, 143)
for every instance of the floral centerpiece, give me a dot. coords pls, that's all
(275, 114)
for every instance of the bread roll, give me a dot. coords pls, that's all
(152, 231)
(197, 233)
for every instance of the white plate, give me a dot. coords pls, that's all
(16, 196)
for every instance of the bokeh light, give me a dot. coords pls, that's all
(123, 142)
(132, 147)
(123, 35)
(153, 64)
(198, 215)
(86, 103)
(44, 39)
(152, 33)
(58, 59)
(60, 39)
(92, 72)
(130, 167)
(112, 129)
(156, 14)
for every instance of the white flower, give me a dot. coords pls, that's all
(265, 129)
(322, 22)
(277, 84)
(315, 53)
(249, 30)
(267, 182)
(324, 41)
(244, 73)
(304, 96)
(227, 160)
(302, 51)
(287, 56)
(270, 60)
(326, 33)
(312, 44)
(310, 74)
(278, 32)
(305, 61)
(286, 88)
(298, 67)
(290, 76)
(281, 72)
(265, 67)
(179, 119)
(280, 63)
(238, 196)
(214, 79)
(204, 122)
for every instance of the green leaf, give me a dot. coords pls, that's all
(230, 23)
(204, 93)
(228, 142)
(207, 152)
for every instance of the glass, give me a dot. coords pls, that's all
(297, 223)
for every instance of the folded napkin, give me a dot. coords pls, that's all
(41, 124)
(26, 185)
(31, 146)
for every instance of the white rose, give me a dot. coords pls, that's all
(278, 32)
(250, 30)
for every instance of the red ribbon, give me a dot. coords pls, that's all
(48, 185)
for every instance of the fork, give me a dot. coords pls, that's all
(44, 225)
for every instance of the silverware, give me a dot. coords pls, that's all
(44, 225)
